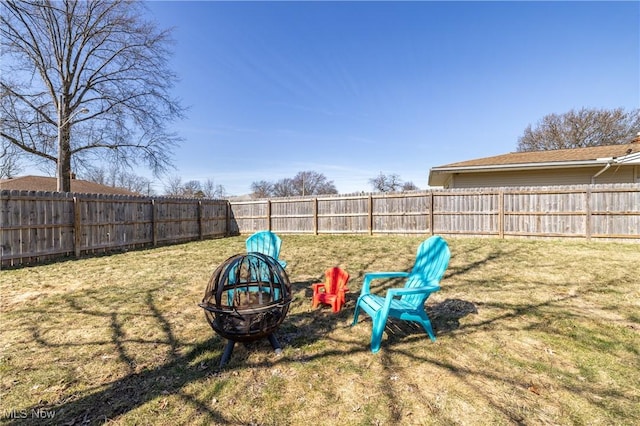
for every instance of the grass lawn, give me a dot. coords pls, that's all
(528, 332)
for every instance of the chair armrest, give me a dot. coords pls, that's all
(393, 292)
(370, 276)
(317, 286)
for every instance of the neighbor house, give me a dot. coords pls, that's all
(43, 183)
(598, 164)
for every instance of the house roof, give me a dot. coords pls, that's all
(559, 158)
(43, 183)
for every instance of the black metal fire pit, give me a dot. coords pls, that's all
(247, 298)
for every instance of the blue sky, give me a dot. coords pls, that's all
(352, 89)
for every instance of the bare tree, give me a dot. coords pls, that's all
(284, 188)
(386, 183)
(580, 129)
(312, 183)
(193, 188)
(134, 183)
(173, 186)
(9, 161)
(409, 186)
(303, 183)
(211, 190)
(116, 177)
(95, 67)
(261, 189)
(97, 175)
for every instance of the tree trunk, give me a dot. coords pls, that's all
(64, 160)
(64, 147)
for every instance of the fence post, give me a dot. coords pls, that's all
(431, 207)
(154, 222)
(200, 233)
(227, 222)
(269, 215)
(315, 216)
(77, 228)
(501, 214)
(370, 212)
(587, 219)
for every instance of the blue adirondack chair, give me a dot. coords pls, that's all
(405, 303)
(266, 242)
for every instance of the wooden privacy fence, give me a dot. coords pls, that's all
(40, 225)
(589, 211)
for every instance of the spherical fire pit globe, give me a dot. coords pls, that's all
(246, 299)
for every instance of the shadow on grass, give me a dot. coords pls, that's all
(197, 362)
(445, 317)
(139, 388)
(476, 377)
(106, 401)
(309, 326)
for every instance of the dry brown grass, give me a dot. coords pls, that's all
(528, 332)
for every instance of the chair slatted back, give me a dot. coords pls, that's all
(265, 242)
(431, 262)
(335, 280)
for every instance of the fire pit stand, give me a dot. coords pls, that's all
(228, 349)
(246, 299)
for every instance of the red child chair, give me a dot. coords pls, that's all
(332, 290)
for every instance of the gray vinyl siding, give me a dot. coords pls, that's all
(569, 176)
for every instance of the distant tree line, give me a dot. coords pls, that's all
(303, 183)
(314, 183)
(118, 178)
(391, 183)
(173, 187)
